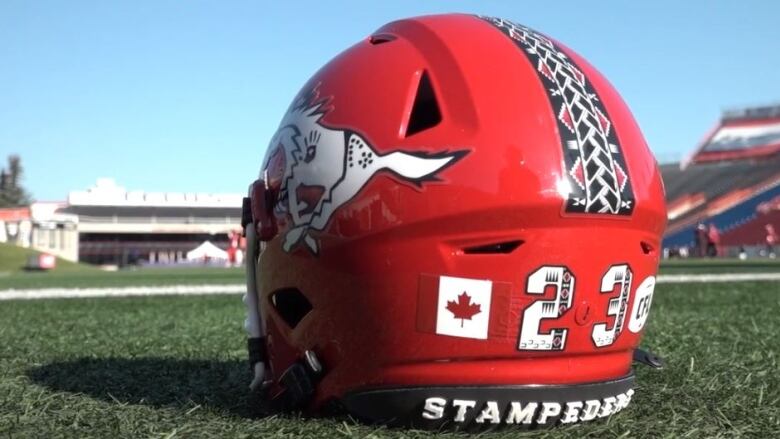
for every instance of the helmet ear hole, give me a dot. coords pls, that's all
(647, 248)
(291, 305)
(425, 109)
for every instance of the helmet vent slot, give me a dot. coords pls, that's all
(291, 305)
(380, 38)
(425, 112)
(494, 248)
(646, 248)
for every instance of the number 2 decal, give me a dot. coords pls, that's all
(561, 279)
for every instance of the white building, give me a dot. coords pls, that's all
(107, 224)
(43, 227)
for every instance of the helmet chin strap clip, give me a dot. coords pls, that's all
(254, 324)
(258, 358)
(648, 358)
(298, 383)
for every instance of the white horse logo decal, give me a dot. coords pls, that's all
(324, 167)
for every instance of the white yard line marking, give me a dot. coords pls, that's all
(192, 290)
(168, 290)
(716, 277)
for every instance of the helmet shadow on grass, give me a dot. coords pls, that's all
(156, 382)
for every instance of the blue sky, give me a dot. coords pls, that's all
(184, 95)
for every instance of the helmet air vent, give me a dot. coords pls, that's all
(380, 38)
(425, 112)
(291, 305)
(494, 248)
(646, 247)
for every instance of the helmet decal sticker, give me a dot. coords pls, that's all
(619, 278)
(463, 307)
(531, 336)
(322, 167)
(593, 160)
(642, 302)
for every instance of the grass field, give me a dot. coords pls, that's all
(127, 277)
(174, 367)
(720, 265)
(13, 259)
(71, 275)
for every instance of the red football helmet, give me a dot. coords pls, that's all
(457, 223)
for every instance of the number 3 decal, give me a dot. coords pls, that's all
(618, 277)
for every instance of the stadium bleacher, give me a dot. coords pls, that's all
(732, 173)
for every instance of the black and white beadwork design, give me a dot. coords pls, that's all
(594, 162)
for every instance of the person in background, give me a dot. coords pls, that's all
(771, 240)
(701, 240)
(713, 241)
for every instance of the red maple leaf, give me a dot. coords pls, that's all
(463, 308)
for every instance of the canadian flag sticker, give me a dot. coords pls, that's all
(464, 307)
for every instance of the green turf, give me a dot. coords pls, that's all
(71, 275)
(13, 259)
(125, 277)
(174, 367)
(720, 265)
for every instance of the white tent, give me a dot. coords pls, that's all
(207, 250)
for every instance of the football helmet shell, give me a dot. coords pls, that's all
(458, 223)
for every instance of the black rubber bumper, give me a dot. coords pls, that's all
(486, 407)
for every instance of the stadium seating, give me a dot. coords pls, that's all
(726, 194)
